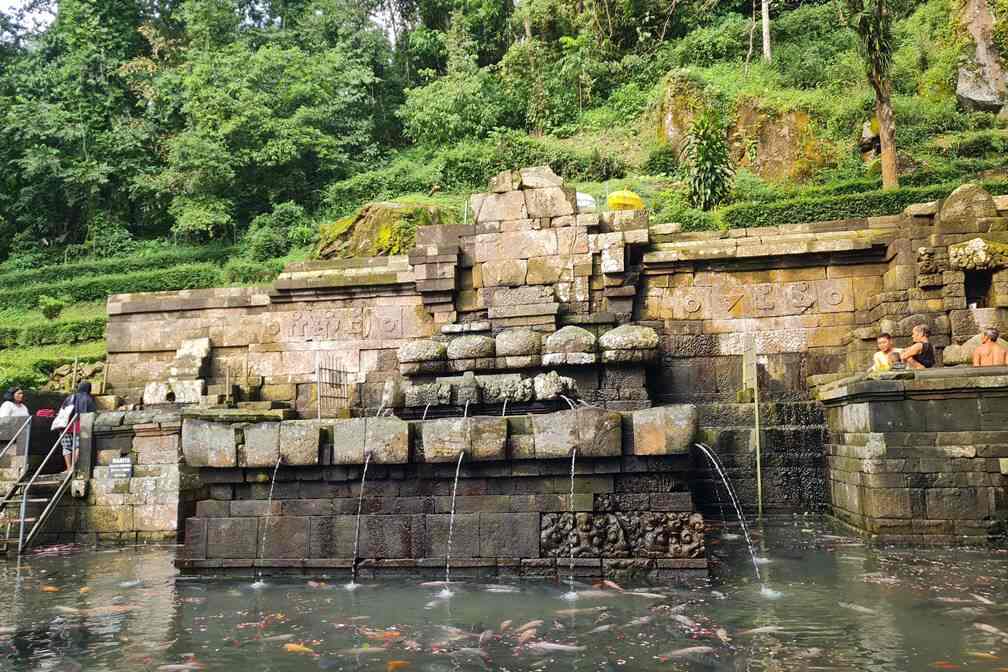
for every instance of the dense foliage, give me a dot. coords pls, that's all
(126, 121)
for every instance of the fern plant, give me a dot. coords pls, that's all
(707, 161)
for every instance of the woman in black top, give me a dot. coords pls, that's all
(83, 402)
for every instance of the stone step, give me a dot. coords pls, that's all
(262, 405)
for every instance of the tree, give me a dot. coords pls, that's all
(872, 21)
(766, 30)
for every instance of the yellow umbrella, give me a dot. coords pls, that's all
(624, 200)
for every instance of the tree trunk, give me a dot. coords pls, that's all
(766, 30)
(887, 133)
(528, 28)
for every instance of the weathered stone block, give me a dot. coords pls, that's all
(504, 273)
(487, 438)
(262, 445)
(518, 342)
(348, 441)
(299, 441)
(155, 518)
(664, 430)
(106, 519)
(513, 535)
(445, 439)
(595, 432)
(538, 177)
(422, 351)
(465, 535)
(283, 537)
(496, 207)
(162, 449)
(232, 537)
(208, 444)
(570, 339)
(550, 202)
(387, 439)
(471, 346)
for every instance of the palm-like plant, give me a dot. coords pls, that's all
(707, 159)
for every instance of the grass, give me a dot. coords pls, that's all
(19, 317)
(30, 367)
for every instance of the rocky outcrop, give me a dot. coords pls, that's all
(983, 81)
(774, 144)
(377, 229)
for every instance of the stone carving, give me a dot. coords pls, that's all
(760, 300)
(422, 351)
(552, 385)
(518, 342)
(978, 254)
(622, 535)
(497, 391)
(435, 394)
(470, 347)
(570, 345)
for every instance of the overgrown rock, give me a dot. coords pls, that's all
(968, 201)
(378, 229)
(983, 82)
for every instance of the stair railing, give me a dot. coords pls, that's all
(31, 481)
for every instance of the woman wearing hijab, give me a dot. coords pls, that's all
(82, 402)
(13, 405)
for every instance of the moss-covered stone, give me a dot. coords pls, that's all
(378, 229)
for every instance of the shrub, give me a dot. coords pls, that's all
(192, 276)
(849, 206)
(707, 160)
(671, 207)
(50, 306)
(662, 160)
(244, 272)
(43, 274)
(405, 174)
(54, 333)
(727, 40)
(975, 144)
(262, 243)
(270, 234)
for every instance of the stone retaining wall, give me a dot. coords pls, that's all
(920, 458)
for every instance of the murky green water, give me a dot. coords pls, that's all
(843, 606)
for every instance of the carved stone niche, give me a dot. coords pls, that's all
(636, 534)
(978, 255)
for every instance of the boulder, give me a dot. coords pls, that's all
(422, 351)
(378, 229)
(982, 83)
(470, 347)
(518, 342)
(629, 337)
(664, 430)
(968, 201)
(570, 339)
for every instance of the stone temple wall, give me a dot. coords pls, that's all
(631, 510)
(535, 299)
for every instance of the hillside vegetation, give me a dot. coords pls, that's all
(159, 146)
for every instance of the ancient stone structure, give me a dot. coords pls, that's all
(536, 329)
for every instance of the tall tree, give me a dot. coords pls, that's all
(872, 21)
(766, 30)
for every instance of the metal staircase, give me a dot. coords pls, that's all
(19, 509)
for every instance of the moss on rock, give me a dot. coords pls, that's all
(378, 229)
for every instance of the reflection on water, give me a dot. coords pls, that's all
(842, 606)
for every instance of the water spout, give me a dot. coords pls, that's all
(447, 593)
(709, 454)
(465, 411)
(504, 410)
(571, 594)
(425, 409)
(380, 409)
(356, 538)
(569, 402)
(259, 583)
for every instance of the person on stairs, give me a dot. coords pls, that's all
(82, 402)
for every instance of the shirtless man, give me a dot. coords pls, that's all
(921, 354)
(885, 356)
(989, 352)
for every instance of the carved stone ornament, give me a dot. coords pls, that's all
(623, 535)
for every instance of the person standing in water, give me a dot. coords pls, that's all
(989, 352)
(82, 402)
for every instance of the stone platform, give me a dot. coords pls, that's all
(920, 457)
(631, 510)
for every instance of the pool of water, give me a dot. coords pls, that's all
(838, 605)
